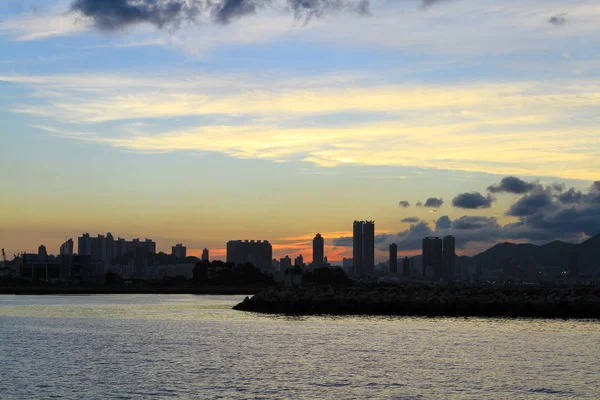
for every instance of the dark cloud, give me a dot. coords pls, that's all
(472, 200)
(558, 20)
(443, 223)
(558, 187)
(475, 222)
(410, 220)
(419, 204)
(542, 216)
(404, 204)
(531, 204)
(344, 241)
(434, 202)
(429, 3)
(230, 9)
(113, 15)
(570, 196)
(511, 184)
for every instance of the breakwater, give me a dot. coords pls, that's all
(429, 300)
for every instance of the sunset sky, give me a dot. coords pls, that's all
(185, 122)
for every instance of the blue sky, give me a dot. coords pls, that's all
(274, 127)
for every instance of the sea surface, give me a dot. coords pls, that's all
(195, 347)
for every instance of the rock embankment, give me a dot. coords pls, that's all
(429, 300)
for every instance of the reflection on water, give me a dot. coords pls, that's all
(159, 346)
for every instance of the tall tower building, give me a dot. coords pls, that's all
(406, 267)
(449, 257)
(205, 254)
(179, 251)
(432, 257)
(393, 259)
(363, 248)
(318, 251)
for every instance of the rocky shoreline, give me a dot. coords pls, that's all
(429, 300)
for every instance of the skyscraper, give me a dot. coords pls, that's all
(393, 258)
(363, 249)
(432, 257)
(285, 263)
(449, 258)
(205, 254)
(318, 251)
(179, 251)
(406, 267)
(258, 253)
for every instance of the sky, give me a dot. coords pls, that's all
(197, 122)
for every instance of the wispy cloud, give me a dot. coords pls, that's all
(494, 128)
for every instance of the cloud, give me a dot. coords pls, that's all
(429, 3)
(475, 222)
(511, 184)
(114, 15)
(274, 116)
(472, 200)
(410, 220)
(419, 204)
(433, 202)
(404, 204)
(343, 241)
(570, 196)
(558, 19)
(532, 203)
(443, 222)
(542, 217)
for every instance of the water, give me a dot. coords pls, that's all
(190, 347)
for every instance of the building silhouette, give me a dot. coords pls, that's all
(299, 261)
(258, 253)
(42, 253)
(205, 254)
(179, 251)
(66, 249)
(102, 247)
(449, 257)
(406, 267)
(363, 249)
(318, 251)
(432, 257)
(285, 263)
(393, 258)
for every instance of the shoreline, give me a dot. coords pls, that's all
(92, 290)
(581, 302)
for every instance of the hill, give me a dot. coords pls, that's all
(556, 254)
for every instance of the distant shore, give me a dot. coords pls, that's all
(429, 300)
(119, 289)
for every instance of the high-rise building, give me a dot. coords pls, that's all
(179, 251)
(42, 253)
(432, 257)
(363, 249)
(318, 251)
(84, 245)
(299, 261)
(258, 253)
(449, 258)
(285, 263)
(406, 267)
(393, 258)
(66, 249)
(205, 254)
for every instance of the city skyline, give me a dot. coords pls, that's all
(278, 124)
